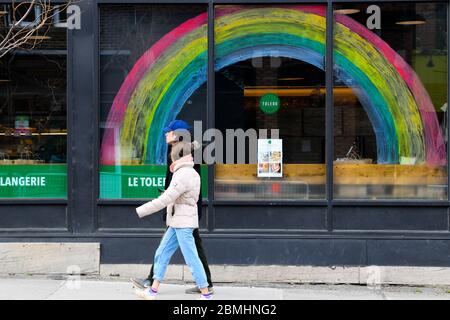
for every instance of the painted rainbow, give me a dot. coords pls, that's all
(165, 76)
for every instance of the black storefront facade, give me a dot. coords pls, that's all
(384, 202)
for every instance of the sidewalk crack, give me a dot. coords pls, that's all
(381, 293)
(63, 282)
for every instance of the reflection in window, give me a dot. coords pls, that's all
(390, 102)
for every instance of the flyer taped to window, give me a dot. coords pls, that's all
(270, 158)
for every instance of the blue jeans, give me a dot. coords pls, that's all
(173, 238)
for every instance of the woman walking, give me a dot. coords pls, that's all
(175, 132)
(180, 198)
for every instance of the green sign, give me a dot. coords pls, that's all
(140, 181)
(116, 182)
(33, 181)
(269, 103)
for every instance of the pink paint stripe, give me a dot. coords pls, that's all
(140, 68)
(229, 9)
(434, 141)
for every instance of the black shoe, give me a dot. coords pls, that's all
(196, 290)
(140, 283)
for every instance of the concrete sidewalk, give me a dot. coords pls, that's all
(92, 289)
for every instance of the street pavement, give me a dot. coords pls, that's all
(74, 288)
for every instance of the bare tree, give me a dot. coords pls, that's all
(25, 24)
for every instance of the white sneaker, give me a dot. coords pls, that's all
(147, 294)
(207, 296)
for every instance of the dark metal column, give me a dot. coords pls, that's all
(210, 109)
(329, 113)
(81, 109)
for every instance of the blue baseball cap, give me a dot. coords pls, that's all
(176, 125)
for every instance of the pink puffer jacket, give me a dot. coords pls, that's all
(180, 198)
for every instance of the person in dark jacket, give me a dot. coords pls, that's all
(172, 136)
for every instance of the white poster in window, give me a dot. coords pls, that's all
(270, 158)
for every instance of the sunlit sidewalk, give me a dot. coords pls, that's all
(73, 288)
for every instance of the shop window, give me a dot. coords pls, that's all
(33, 117)
(390, 101)
(153, 62)
(270, 76)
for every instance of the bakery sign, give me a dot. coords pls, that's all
(33, 181)
(138, 181)
(270, 158)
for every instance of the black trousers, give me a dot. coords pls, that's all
(201, 255)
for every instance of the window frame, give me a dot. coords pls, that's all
(69, 81)
(330, 201)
